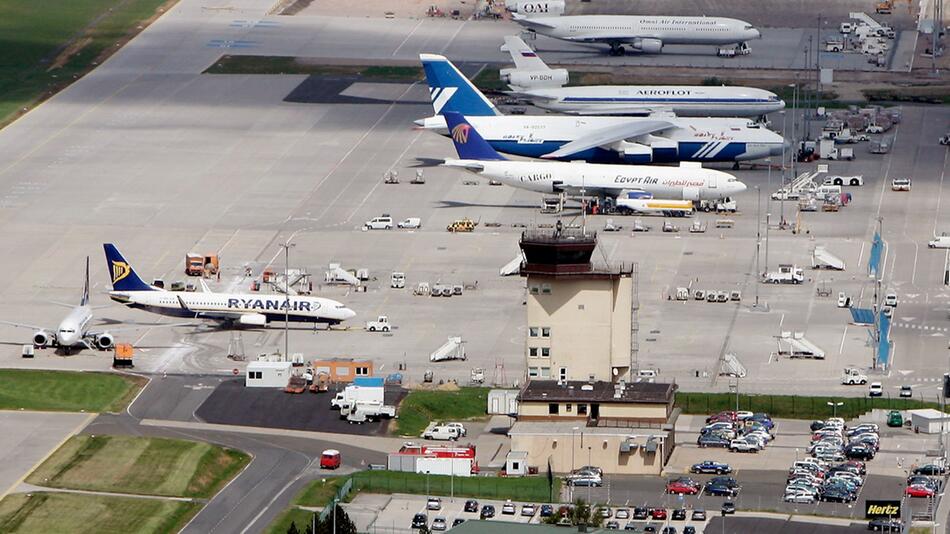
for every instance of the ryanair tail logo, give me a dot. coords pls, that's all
(460, 133)
(120, 270)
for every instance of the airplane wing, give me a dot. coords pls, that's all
(217, 314)
(134, 327)
(30, 326)
(532, 22)
(610, 134)
(466, 164)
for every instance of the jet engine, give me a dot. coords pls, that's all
(534, 79)
(648, 46)
(253, 319)
(105, 341)
(636, 153)
(545, 8)
(42, 338)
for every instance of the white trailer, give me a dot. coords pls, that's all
(853, 376)
(452, 349)
(940, 242)
(822, 259)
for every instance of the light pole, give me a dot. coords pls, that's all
(588, 463)
(287, 246)
(758, 242)
(768, 221)
(784, 144)
(834, 407)
(573, 431)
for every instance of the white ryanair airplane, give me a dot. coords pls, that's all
(229, 308)
(533, 80)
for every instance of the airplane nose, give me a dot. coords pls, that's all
(756, 34)
(740, 187)
(347, 313)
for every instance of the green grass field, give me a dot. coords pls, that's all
(421, 406)
(319, 492)
(48, 45)
(229, 64)
(793, 407)
(93, 514)
(66, 391)
(151, 466)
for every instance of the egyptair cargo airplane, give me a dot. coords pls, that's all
(229, 308)
(689, 181)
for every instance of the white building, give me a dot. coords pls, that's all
(267, 374)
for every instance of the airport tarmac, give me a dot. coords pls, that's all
(29, 438)
(149, 154)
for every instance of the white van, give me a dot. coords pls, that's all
(900, 184)
(442, 433)
(846, 27)
(941, 242)
(410, 222)
(385, 222)
(826, 190)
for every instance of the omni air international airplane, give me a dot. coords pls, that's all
(229, 308)
(658, 138)
(688, 182)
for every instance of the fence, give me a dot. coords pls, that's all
(795, 407)
(341, 494)
(526, 488)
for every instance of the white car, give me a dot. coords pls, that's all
(875, 389)
(900, 184)
(800, 497)
(890, 299)
(384, 222)
(434, 503)
(410, 222)
(844, 301)
(741, 445)
(439, 524)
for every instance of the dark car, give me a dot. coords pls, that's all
(711, 467)
(699, 514)
(728, 507)
(650, 528)
(885, 525)
(471, 505)
(420, 521)
(720, 490)
(669, 530)
(678, 515)
(836, 494)
(930, 470)
(613, 525)
(640, 513)
(689, 529)
(817, 425)
(546, 510)
(859, 452)
(487, 511)
(631, 526)
(712, 441)
(922, 480)
(458, 521)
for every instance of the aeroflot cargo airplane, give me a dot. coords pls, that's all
(643, 33)
(688, 182)
(233, 309)
(639, 140)
(533, 80)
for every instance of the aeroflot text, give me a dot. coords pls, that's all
(272, 304)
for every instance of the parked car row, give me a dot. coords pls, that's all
(811, 480)
(831, 441)
(925, 480)
(737, 431)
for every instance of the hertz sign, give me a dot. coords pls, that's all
(879, 509)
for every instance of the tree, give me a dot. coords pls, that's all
(344, 525)
(293, 528)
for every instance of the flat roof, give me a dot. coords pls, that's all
(566, 428)
(601, 392)
(930, 413)
(268, 365)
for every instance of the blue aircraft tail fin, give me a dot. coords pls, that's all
(85, 287)
(452, 91)
(124, 277)
(468, 143)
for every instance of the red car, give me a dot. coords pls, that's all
(658, 513)
(678, 487)
(919, 491)
(728, 417)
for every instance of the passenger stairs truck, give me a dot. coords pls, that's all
(795, 345)
(453, 349)
(822, 259)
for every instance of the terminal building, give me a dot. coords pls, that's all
(623, 428)
(580, 318)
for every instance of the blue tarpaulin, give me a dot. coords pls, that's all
(884, 343)
(874, 262)
(862, 316)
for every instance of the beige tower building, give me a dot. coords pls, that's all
(579, 317)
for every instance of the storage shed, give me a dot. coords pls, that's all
(503, 402)
(929, 421)
(264, 374)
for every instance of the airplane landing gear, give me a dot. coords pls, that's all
(617, 49)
